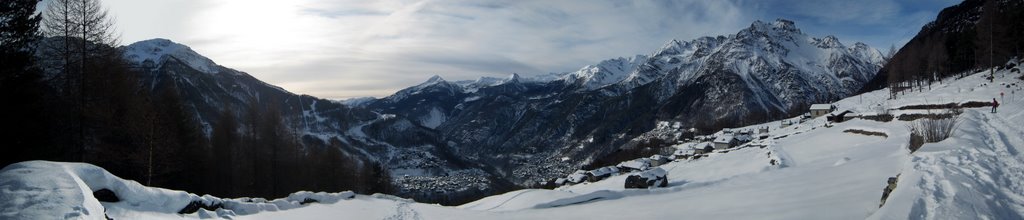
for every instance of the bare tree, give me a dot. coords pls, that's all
(889, 54)
(80, 31)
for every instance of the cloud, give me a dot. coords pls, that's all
(348, 48)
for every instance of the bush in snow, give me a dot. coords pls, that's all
(933, 129)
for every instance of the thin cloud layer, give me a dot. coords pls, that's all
(351, 48)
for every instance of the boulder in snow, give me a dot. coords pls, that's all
(656, 177)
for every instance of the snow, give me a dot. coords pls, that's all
(44, 190)
(358, 101)
(159, 50)
(637, 164)
(724, 139)
(804, 171)
(605, 73)
(821, 107)
(434, 118)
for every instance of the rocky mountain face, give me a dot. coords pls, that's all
(974, 34)
(531, 130)
(449, 141)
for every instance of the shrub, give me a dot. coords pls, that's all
(933, 129)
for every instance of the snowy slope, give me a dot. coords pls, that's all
(822, 173)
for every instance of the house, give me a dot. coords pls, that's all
(725, 141)
(634, 165)
(743, 138)
(560, 181)
(601, 173)
(839, 117)
(703, 148)
(817, 110)
(658, 160)
(726, 131)
(577, 177)
(682, 154)
(850, 116)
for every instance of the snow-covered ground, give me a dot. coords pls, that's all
(820, 172)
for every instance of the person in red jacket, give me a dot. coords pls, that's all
(995, 105)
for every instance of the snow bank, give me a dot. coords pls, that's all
(44, 190)
(37, 190)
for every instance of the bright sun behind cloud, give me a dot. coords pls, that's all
(258, 30)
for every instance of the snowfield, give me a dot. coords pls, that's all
(809, 170)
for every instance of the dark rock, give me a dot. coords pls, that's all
(194, 207)
(105, 195)
(308, 201)
(643, 180)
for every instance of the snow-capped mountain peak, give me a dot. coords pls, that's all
(828, 42)
(777, 26)
(605, 73)
(433, 80)
(514, 78)
(785, 25)
(155, 52)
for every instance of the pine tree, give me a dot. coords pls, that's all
(24, 123)
(223, 141)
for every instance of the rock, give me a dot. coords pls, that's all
(308, 201)
(651, 178)
(194, 206)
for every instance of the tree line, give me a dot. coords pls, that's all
(68, 95)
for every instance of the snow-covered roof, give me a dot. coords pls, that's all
(604, 171)
(577, 177)
(657, 157)
(683, 152)
(821, 107)
(744, 138)
(653, 173)
(724, 139)
(639, 164)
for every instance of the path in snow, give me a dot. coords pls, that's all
(984, 170)
(403, 211)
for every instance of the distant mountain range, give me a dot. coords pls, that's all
(456, 141)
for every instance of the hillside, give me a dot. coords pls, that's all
(532, 130)
(821, 172)
(972, 35)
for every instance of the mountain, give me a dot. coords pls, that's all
(605, 73)
(534, 130)
(450, 142)
(419, 161)
(814, 169)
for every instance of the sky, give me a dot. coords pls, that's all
(340, 49)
